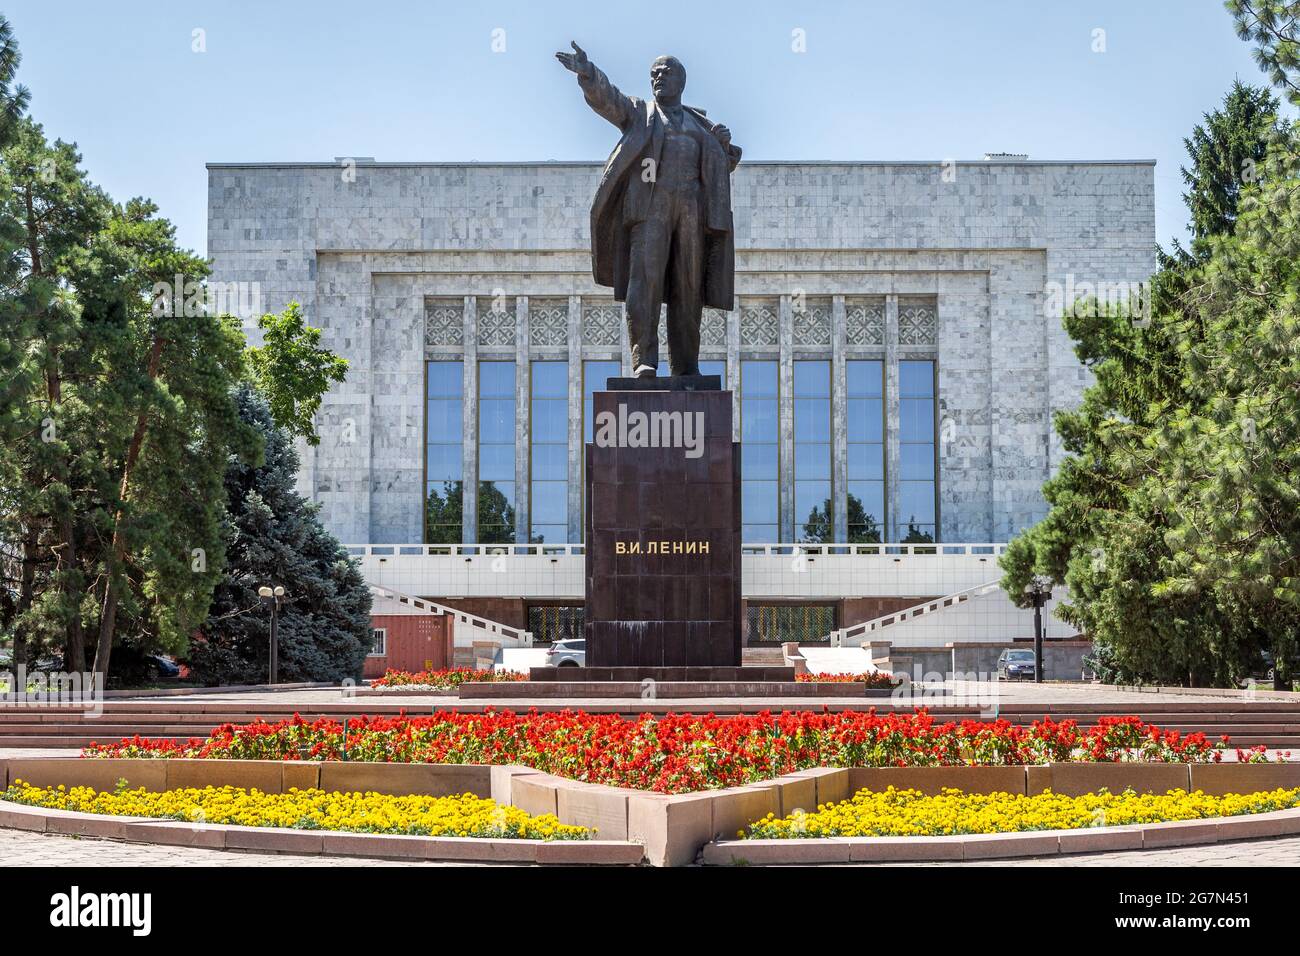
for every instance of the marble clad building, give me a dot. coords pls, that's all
(893, 353)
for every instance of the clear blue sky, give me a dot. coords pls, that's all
(420, 81)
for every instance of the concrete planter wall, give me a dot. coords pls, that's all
(672, 830)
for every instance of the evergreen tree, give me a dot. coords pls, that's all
(1274, 27)
(1168, 526)
(274, 537)
(1226, 153)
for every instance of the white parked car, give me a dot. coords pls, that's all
(570, 652)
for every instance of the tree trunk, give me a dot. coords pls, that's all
(117, 553)
(74, 651)
(26, 594)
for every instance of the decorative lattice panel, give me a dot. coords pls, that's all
(918, 323)
(548, 321)
(602, 323)
(713, 329)
(444, 322)
(496, 321)
(864, 321)
(760, 324)
(812, 324)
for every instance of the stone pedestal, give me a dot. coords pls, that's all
(663, 529)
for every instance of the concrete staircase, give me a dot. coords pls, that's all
(762, 656)
(866, 631)
(470, 628)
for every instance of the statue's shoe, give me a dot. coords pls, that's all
(645, 371)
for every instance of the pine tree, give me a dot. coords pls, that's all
(274, 537)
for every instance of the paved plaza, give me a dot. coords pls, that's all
(18, 848)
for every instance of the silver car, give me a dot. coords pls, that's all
(570, 652)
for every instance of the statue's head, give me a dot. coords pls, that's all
(667, 77)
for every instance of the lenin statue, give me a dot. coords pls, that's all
(661, 225)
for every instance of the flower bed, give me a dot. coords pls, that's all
(445, 679)
(680, 753)
(875, 680)
(910, 813)
(460, 816)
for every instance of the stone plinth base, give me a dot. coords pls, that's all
(659, 690)
(675, 383)
(672, 674)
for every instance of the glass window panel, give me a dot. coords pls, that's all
(916, 420)
(758, 460)
(550, 502)
(866, 501)
(866, 461)
(812, 379)
(810, 496)
(864, 534)
(444, 455)
(550, 534)
(865, 379)
(594, 376)
(812, 461)
(916, 379)
(550, 380)
(758, 420)
(758, 379)
(496, 420)
(446, 380)
(917, 463)
(759, 534)
(443, 512)
(496, 534)
(915, 503)
(446, 420)
(812, 420)
(496, 380)
(715, 367)
(496, 462)
(550, 421)
(443, 463)
(759, 500)
(495, 495)
(550, 462)
(865, 419)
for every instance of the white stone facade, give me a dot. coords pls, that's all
(399, 263)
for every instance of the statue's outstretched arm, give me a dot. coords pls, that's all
(601, 95)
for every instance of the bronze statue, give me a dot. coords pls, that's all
(661, 219)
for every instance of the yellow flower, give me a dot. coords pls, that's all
(465, 815)
(910, 813)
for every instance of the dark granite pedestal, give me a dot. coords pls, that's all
(663, 537)
(663, 530)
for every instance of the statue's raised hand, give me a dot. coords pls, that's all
(576, 61)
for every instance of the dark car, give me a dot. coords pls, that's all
(1016, 665)
(165, 667)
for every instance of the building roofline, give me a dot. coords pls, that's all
(316, 164)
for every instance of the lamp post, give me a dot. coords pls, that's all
(273, 597)
(1039, 592)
